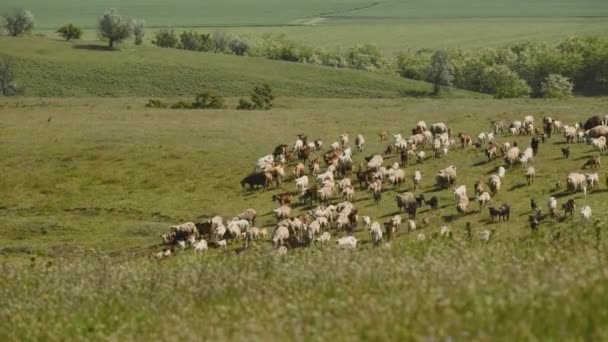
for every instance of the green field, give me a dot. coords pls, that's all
(91, 190)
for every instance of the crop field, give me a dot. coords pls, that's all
(88, 184)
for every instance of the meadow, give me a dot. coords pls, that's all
(85, 195)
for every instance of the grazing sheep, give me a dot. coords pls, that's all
(249, 215)
(599, 144)
(348, 193)
(438, 128)
(200, 246)
(411, 225)
(446, 177)
(566, 152)
(417, 178)
(586, 212)
(324, 238)
(577, 182)
(501, 172)
(420, 156)
(512, 156)
(421, 237)
(280, 236)
(491, 152)
(359, 142)
(552, 205)
(367, 220)
(343, 139)
(302, 183)
(396, 177)
(594, 163)
(282, 212)
(183, 231)
(462, 205)
(460, 191)
(375, 162)
(407, 202)
(593, 180)
(485, 235)
(483, 199)
(530, 175)
(347, 242)
(375, 231)
(221, 244)
(433, 203)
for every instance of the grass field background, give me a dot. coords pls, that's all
(84, 196)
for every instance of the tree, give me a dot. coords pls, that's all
(440, 72)
(239, 46)
(138, 30)
(70, 32)
(503, 82)
(262, 97)
(165, 38)
(194, 41)
(7, 77)
(18, 22)
(113, 28)
(221, 41)
(556, 86)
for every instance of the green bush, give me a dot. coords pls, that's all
(190, 40)
(70, 31)
(502, 82)
(366, 57)
(262, 97)
(244, 104)
(556, 86)
(440, 72)
(181, 105)
(156, 104)
(165, 38)
(208, 100)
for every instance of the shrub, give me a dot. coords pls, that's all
(502, 82)
(7, 77)
(208, 100)
(221, 41)
(194, 41)
(262, 97)
(244, 104)
(366, 57)
(556, 86)
(138, 30)
(18, 22)
(413, 64)
(69, 32)
(181, 105)
(156, 104)
(113, 28)
(239, 46)
(165, 38)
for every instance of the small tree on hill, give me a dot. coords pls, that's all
(113, 28)
(262, 97)
(165, 38)
(440, 72)
(138, 30)
(18, 22)
(70, 32)
(7, 77)
(556, 86)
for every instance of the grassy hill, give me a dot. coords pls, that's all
(84, 196)
(49, 67)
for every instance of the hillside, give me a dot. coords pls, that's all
(49, 67)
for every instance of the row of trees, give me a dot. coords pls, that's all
(262, 98)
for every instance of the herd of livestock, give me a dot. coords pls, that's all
(329, 177)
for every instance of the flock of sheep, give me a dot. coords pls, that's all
(330, 177)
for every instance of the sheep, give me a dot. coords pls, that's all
(512, 156)
(479, 188)
(530, 174)
(421, 237)
(264, 162)
(485, 235)
(183, 231)
(462, 205)
(597, 132)
(411, 225)
(200, 246)
(593, 180)
(569, 134)
(460, 191)
(249, 215)
(446, 177)
(347, 242)
(491, 152)
(438, 128)
(483, 199)
(407, 201)
(324, 238)
(586, 212)
(367, 220)
(599, 144)
(526, 156)
(237, 227)
(343, 139)
(375, 231)
(282, 212)
(417, 178)
(325, 194)
(445, 232)
(501, 172)
(302, 183)
(375, 162)
(283, 199)
(298, 170)
(359, 142)
(594, 163)
(577, 182)
(482, 138)
(396, 177)
(465, 140)
(280, 236)
(420, 156)
(420, 127)
(348, 193)
(552, 205)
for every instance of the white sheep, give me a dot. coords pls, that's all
(411, 225)
(280, 236)
(482, 138)
(324, 238)
(593, 180)
(221, 244)
(483, 199)
(512, 156)
(530, 174)
(600, 144)
(349, 193)
(577, 182)
(586, 212)
(501, 172)
(460, 192)
(200, 246)
(263, 233)
(485, 235)
(552, 205)
(344, 139)
(396, 176)
(282, 212)
(417, 178)
(495, 182)
(347, 242)
(375, 231)
(302, 184)
(446, 232)
(420, 156)
(359, 142)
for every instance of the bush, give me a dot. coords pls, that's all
(239, 46)
(8, 86)
(366, 57)
(556, 86)
(138, 31)
(156, 104)
(502, 82)
(262, 97)
(244, 104)
(194, 41)
(165, 38)
(18, 23)
(69, 32)
(440, 72)
(413, 64)
(221, 41)
(113, 28)
(181, 105)
(208, 100)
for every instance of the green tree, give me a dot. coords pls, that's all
(556, 86)
(19, 22)
(138, 30)
(440, 72)
(113, 28)
(7, 77)
(70, 31)
(502, 82)
(165, 38)
(262, 97)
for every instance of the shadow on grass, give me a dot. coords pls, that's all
(93, 47)
(416, 93)
(518, 186)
